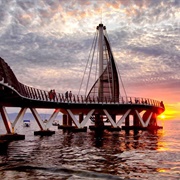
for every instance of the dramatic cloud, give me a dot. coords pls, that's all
(47, 42)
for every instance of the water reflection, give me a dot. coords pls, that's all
(3, 147)
(112, 141)
(70, 155)
(119, 141)
(122, 141)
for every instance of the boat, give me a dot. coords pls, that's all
(45, 121)
(26, 123)
(55, 123)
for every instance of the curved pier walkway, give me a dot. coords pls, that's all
(15, 94)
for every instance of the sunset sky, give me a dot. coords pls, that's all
(47, 43)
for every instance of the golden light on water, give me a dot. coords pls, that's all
(162, 170)
(162, 146)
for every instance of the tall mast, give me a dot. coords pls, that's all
(100, 28)
(107, 85)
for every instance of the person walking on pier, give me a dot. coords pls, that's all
(50, 94)
(53, 94)
(66, 95)
(70, 95)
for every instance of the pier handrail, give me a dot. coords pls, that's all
(42, 95)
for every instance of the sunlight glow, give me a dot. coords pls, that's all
(161, 170)
(171, 112)
(162, 116)
(162, 146)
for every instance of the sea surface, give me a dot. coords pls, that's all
(92, 156)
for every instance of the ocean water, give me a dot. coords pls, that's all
(91, 156)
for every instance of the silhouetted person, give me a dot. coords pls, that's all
(66, 95)
(70, 95)
(50, 95)
(162, 104)
(53, 94)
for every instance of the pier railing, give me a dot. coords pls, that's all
(42, 95)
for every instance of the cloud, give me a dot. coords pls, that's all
(47, 42)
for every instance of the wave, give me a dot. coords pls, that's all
(67, 171)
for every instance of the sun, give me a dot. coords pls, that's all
(162, 117)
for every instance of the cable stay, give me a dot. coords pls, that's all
(106, 86)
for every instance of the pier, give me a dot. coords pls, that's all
(102, 102)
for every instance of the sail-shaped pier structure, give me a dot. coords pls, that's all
(101, 103)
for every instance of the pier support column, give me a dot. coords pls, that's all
(127, 121)
(153, 121)
(18, 118)
(69, 120)
(5, 119)
(136, 124)
(44, 131)
(98, 121)
(113, 117)
(135, 120)
(11, 135)
(81, 117)
(153, 126)
(64, 120)
(127, 125)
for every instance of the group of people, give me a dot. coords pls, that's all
(52, 94)
(68, 95)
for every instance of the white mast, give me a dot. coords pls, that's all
(100, 28)
(100, 43)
